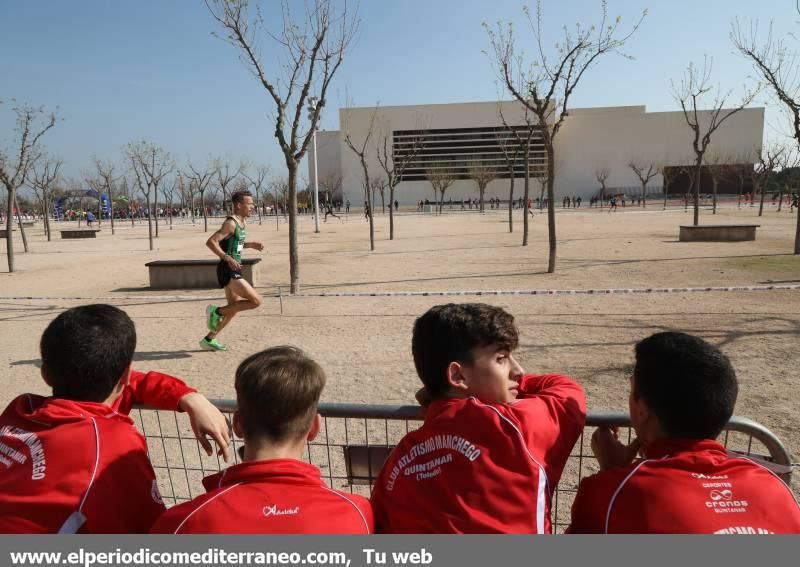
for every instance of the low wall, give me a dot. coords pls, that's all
(718, 233)
(193, 274)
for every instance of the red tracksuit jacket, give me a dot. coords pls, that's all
(685, 486)
(277, 496)
(68, 467)
(482, 468)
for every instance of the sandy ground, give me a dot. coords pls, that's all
(364, 343)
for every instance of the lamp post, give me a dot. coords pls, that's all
(312, 109)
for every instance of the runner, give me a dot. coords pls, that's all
(227, 244)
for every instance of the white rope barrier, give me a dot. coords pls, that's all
(591, 291)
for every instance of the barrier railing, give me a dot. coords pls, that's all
(355, 439)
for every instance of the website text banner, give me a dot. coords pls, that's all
(395, 551)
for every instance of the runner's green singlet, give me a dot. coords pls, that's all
(234, 244)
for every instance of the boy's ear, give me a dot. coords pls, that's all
(46, 377)
(237, 425)
(124, 380)
(316, 425)
(455, 376)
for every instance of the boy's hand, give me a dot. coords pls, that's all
(207, 420)
(610, 451)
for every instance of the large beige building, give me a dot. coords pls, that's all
(460, 138)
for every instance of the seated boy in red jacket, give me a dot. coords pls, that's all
(494, 441)
(74, 462)
(272, 491)
(683, 391)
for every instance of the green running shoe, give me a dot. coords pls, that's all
(212, 318)
(213, 344)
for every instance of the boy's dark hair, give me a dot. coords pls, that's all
(277, 392)
(448, 333)
(86, 350)
(688, 383)
(239, 196)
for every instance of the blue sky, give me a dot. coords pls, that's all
(120, 71)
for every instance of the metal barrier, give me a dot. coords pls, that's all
(355, 439)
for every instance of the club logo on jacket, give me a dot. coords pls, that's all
(274, 511)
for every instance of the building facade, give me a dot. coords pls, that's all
(456, 143)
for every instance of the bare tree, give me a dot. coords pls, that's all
(331, 185)
(546, 86)
(107, 182)
(395, 168)
(226, 175)
(150, 164)
(42, 177)
(645, 170)
(32, 124)
(602, 174)
(168, 191)
(482, 174)
(718, 169)
(361, 151)
(768, 162)
(740, 167)
(511, 153)
(313, 52)
(787, 163)
(378, 185)
(776, 63)
(441, 176)
(666, 172)
(524, 145)
(201, 179)
(187, 187)
(691, 94)
(258, 181)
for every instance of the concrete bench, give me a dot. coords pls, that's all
(193, 274)
(718, 233)
(80, 233)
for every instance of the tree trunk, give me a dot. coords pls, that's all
(698, 167)
(149, 222)
(9, 229)
(383, 202)
(763, 194)
(644, 195)
(47, 216)
(391, 214)
(526, 191)
(780, 196)
(511, 204)
(111, 209)
(666, 192)
(741, 189)
(258, 207)
(481, 193)
(797, 233)
(714, 184)
(21, 228)
(155, 210)
(551, 209)
(203, 208)
(294, 259)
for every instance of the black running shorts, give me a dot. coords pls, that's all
(225, 274)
